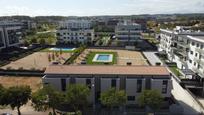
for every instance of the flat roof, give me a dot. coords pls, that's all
(107, 70)
(197, 38)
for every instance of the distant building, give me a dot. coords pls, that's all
(132, 79)
(128, 33)
(185, 47)
(75, 31)
(10, 34)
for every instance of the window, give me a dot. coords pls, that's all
(164, 86)
(197, 45)
(131, 98)
(201, 46)
(196, 54)
(88, 83)
(194, 63)
(139, 86)
(63, 84)
(193, 43)
(190, 61)
(113, 83)
(192, 52)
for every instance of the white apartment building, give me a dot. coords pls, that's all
(75, 31)
(10, 35)
(185, 47)
(128, 33)
(132, 79)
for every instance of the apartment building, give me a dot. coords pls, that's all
(132, 79)
(128, 33)
(185, 47)
(10, 35)
(75, 31)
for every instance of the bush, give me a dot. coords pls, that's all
(8, 68)
(20, 68)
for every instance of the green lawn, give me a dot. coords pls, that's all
(92, 54)
(175, 71)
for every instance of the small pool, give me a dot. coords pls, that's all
(62, 49)
(103, 58)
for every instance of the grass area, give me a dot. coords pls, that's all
(34, 82)
(92, 54)
(175, 71)
(71, 51)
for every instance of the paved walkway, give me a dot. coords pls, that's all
(191, 107)
(153, 59)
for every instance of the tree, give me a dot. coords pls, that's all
(113, 97)
(2, 95)
(33, 40)
(26, 43)
(18, 96)
(76, 95)
(150, 98)
(46, 98)
(42, 41)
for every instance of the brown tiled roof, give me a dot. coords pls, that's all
(111, 70)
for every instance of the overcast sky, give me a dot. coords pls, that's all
(98, 7)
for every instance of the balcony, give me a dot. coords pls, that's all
(183, 44)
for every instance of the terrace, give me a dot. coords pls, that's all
(120, 57)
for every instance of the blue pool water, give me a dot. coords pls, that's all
(103, 57)
(62, 49)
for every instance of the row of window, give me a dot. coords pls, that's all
(139, 89)
(114, 85)
(73, 34)
(73, 38)
(197, 45)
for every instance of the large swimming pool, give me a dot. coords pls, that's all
(62, 49)
(103, 58)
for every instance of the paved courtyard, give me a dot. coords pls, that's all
(123, 56)
(38, 60)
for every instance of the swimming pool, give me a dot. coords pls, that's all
(62, 49)
(103, 58)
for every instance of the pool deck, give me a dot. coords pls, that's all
(123, 56)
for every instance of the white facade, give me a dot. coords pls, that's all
(185, 48)
(75, 31)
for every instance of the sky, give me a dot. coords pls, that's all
(98, 7)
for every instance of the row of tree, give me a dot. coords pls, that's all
(75, 96)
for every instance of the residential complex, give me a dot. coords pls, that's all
(185, 47)
(132, 79)
(75, 31)
(10, 34)
(128, 33)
